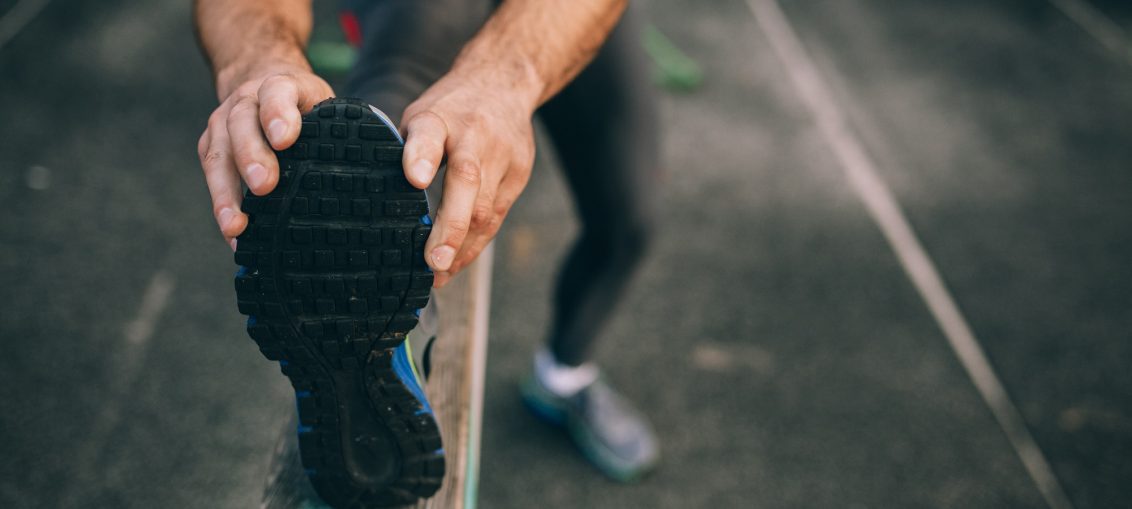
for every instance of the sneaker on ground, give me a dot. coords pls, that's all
(613, 435)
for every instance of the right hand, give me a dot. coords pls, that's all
(256, 114)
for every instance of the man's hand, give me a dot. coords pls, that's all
(479, 115)
(485, 129)
(234, 146)
(263, 81)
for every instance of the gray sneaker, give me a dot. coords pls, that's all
(613, 435)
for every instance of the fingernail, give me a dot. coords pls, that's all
(276, 130)
(232, 243)
(421, 171)
(442, 257)
(226, 215)
(257, 175)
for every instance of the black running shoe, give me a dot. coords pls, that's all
(332, 279)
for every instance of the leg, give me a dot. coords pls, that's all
(406, 45)
(604, 125)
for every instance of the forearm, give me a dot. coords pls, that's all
(240, 37)
(535, 47)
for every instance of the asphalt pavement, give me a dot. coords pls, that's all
(774, 335)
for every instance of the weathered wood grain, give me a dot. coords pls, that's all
(455, 385)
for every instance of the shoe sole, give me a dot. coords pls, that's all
(332, 278)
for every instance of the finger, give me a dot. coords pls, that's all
(426, 135)
(312, 90)
(476, 243)
(279, 110)
(439, 279)
(511, 187)
(222, 179)
(485, 222)
(494, 203)
(508, 191)
(254, 159)
(473, 246)
(461, 185)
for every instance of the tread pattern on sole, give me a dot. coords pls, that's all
(332, 277)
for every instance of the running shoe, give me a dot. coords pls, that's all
(332, 277)
(613, 436)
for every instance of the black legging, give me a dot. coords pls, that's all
(604, 125)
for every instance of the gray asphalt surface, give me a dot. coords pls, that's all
(773, 336)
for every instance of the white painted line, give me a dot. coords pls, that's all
(882, 206)
(1097, 25)
(18, 17)
(123, 370)
(154, 300)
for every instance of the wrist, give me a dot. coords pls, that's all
(515, 78)
(237, 72)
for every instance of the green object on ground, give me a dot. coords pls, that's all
(331, 57)
(675, 70)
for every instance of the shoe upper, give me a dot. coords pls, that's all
(613, 435)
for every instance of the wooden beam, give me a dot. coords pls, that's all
(455, 385)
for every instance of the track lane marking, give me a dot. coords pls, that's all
(17, 18)
(154, 301)
(125, 366)
(921, 270)
(1096, 24)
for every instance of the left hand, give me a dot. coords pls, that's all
(486, 132)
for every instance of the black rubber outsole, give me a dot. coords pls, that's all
(333, 277)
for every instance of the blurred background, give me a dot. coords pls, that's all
(774, 336)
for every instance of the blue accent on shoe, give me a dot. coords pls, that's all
(417, 312)
(426, 220)
(242, 271)
(545, 412)
(305, 429)
(439, 452)
(284, 363)
(403, 368)
(251, 321)
(303, 394)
